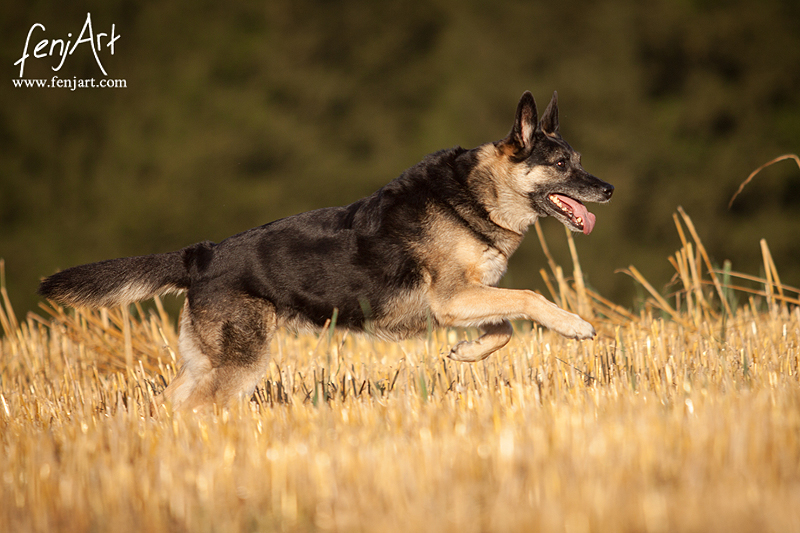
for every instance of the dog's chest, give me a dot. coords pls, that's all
(492, 266)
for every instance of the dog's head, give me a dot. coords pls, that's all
(540, 174)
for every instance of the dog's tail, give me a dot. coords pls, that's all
(118, 281)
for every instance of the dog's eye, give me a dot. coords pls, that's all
(561, 164)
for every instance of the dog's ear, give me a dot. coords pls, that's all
(520, 138)
(549, 123)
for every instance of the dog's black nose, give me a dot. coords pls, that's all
(608, 190)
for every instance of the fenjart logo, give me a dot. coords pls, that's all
(48, 48)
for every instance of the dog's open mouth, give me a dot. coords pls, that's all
(575, 211)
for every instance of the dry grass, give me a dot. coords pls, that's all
(682, 417)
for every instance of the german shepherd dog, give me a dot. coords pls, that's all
(428, 248)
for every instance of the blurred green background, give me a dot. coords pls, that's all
(239, 113)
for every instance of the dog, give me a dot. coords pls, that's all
(426, 249)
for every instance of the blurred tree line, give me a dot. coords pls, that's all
(239, 113)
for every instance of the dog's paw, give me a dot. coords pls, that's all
(575, 328)
(469, 352)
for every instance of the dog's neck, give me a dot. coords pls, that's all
(499, 215)
(506, 208)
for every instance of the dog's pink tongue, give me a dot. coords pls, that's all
(579, 210)
(588, 221)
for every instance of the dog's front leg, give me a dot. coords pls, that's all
(495, 336)
(491, 308)
(549, 315)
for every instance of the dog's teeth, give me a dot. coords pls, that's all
(579, 221)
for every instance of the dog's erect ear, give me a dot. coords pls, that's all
(549, 123)
(521, 136)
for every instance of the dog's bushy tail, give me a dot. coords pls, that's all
(117, 281)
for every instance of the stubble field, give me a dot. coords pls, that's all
(682, 416)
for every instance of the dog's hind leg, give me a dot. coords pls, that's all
(224, 352)
(495, 336)
(194, 367)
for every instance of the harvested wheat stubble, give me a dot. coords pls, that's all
(682, 417)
